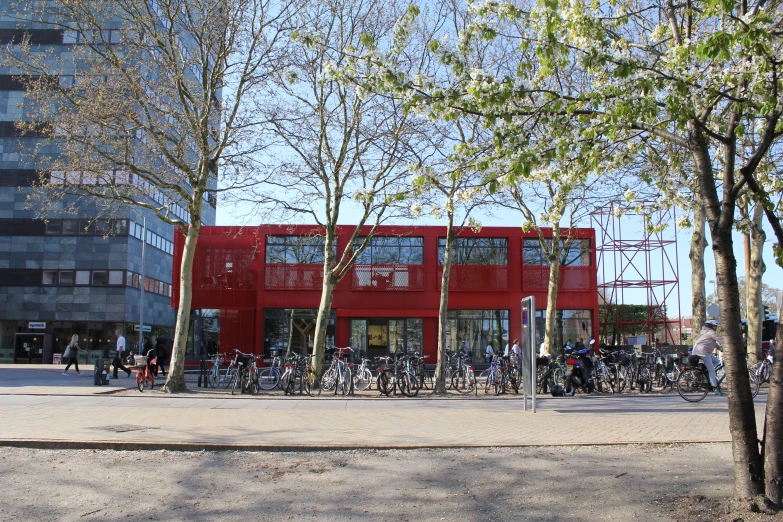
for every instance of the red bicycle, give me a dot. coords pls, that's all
(144, 377)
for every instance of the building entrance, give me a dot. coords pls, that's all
(32, 348)
(379, 336)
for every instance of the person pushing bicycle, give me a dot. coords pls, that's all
(704, 346)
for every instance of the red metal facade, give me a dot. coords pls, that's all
(230, 274)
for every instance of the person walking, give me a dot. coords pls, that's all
(160, 351)
(704, 347)
(71, 353)
(120, 354)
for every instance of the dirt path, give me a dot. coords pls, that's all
(585, 483)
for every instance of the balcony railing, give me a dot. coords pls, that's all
(476, 278)
(294, 277)
(388, 277)
(570, 278)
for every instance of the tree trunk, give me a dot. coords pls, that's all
(325, 307)
(175, 381)
(753, 284)
(748, 472)
(698, 277)
(551, 309)
(443, 310)
(773, 427)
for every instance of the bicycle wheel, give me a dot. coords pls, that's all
(427, 379)
(449, 377)
(407, 385)
(558, 377)
(385, 383)
(329, 379)
(362, 380)
(213, 377)
(228, 378)
(514, 379)
(236, 383)
(498, 381)
(658, 382)
(268, 379)
(483, 380)
(755, 385)
(692, 385)
(141, 385)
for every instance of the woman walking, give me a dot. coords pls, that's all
(71, 352)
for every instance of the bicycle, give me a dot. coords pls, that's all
(463, 378)
(666, 372)
(239, 381)
(693, 383)
(399, 376)
(269, 377)
(362, 377)
(213, 375)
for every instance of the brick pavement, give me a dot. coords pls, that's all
(160, 421)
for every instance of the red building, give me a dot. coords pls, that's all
(257, 289)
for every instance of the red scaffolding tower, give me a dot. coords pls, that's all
(637, 263)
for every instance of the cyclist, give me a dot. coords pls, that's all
(704, 346)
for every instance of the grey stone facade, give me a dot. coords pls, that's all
(84, 307)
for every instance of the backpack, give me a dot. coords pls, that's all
(68, 352)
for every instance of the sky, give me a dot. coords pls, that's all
(632, 230)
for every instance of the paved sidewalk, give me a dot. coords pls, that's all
(157, 422)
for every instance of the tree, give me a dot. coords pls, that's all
(148, 106)
(700, 76)
(334, 145)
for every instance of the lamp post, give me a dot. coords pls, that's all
(714, 289)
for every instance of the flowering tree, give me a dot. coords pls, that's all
(146, 107)
(702, 76)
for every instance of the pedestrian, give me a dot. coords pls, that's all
(120, 354)
(517, 351)
(160, 351)
(489, 353)
(71, 353)
(505, 351)
(151, 356)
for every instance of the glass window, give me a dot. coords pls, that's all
(66, 277)
(291, 330)
(116, 277)
(120, 227)
(49, 277)
(299, 250)
(136, 281)
(477, 329)
(70, 226)
(54, 226)
(86, 227)
(393, 251)
(103, 227)
(82, 277)
(578, 253)
(476, 251)
(570, 325)
(99, 278)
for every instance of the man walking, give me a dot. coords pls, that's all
(120, 354)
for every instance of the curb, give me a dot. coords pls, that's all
(274, 448)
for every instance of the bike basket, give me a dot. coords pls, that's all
(693, 361)
(244, 361)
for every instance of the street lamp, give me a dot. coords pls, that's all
(714, 290)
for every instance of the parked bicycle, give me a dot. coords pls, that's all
(269, 377)
(396, 373)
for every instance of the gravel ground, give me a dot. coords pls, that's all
(586, 483)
